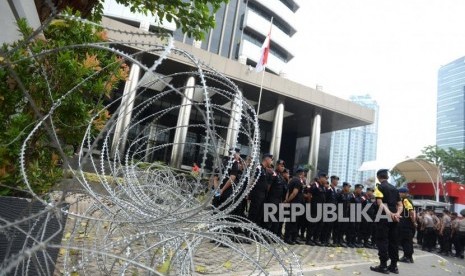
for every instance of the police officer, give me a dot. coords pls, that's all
(258, 194)
(406, 226)
(459, 235)
(329, 228)
(318, 197)
(388, 199)
(367, 228)
(358, 199)
(294, 196)
(226, 188)
(276, 193)
(445, 232)
(430, 224)
(343, 199)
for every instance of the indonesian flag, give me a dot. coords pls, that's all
(264, 54)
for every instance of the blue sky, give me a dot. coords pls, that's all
(390, 49)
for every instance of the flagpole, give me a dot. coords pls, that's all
(261, 89)
(263, 75)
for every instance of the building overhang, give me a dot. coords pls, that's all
(300, 100)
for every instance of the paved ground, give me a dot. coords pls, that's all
(425, 264)
(320, 261)
(213, 260)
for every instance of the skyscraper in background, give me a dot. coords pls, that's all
(450, 117)
(241, 28)
(351, 147)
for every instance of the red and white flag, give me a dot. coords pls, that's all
(261, 64)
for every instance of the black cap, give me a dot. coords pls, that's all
(322, 174)
(403, 190)
(334, 177)
(300, 169)
(346, 184)
(280, 162)
(358, 186)
(236, 150)
(370, 189)
(265, 155)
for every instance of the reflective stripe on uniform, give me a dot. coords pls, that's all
(407, 205)
(377, 193)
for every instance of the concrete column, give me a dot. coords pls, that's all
(183, 124)
(314, 145)
(234, 123)
(277, 130)
(125, 111)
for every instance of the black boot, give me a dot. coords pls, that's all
(406, 260)
(382, 268)
(393, 268)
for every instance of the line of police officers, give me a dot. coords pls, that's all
(274, 186)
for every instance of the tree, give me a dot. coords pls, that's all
(47, 69)
(433, 154)
(194, 17)
(451, 161)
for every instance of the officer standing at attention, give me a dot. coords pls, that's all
(258, 194)
(318, 197)
(229, 182)
(445, 232)
(387, 198)
(276, 194)
(407, 226)
(294, 196)
(367, 228)
(329, 227)
(343, 199)
(358, 199)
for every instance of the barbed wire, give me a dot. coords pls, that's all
(121, 212)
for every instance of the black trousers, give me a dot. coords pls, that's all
(386, 241)
(351, 233)
(291, 229)
(446, 240)
(341, 228)
(326, 232)
(366, 230)
(460, 243)
(406, 239)
(314, 228)
(429, 239)
(256, 209)
(275, 226)
(420, 234)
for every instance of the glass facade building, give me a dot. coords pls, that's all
(351, 147)
(450, 118)
(241, 28)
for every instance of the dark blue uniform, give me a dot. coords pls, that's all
(329, 228)
(258, 195)
(387, 232)
(291, 230)
(275, 196)
(407, 230)
(343, 199)
(318, 197)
